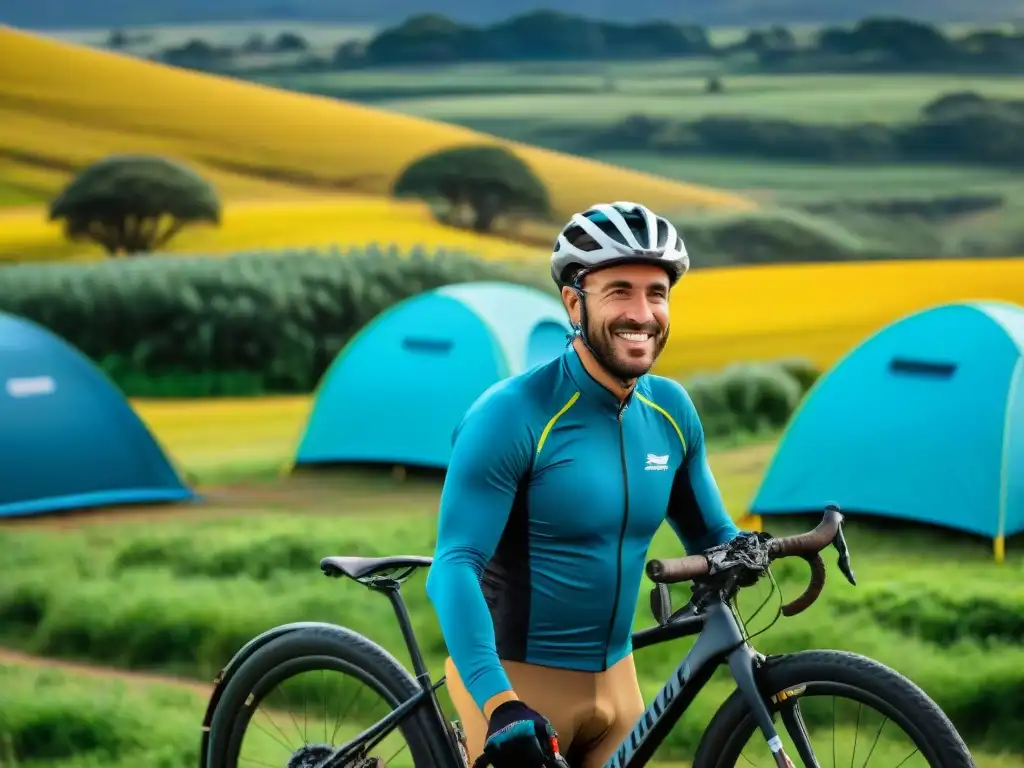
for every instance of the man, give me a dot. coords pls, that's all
(558, 480)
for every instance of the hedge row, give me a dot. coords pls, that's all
(271, 322)
(251, 323)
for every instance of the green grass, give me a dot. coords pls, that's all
(16, 196)
(671, 88)
(807, 182)
(70, 719)
(182, 595)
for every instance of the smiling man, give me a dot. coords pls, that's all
(558, 480)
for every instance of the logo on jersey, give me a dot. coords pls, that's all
(656, 463)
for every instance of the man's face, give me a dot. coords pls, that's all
(627, 316)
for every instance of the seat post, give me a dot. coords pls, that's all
(419, 667)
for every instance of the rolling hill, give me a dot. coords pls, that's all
(63, 105)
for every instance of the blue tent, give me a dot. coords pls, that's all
(923, 421)
(399, 388)
(69, 437)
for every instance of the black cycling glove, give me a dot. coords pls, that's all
(519, 737)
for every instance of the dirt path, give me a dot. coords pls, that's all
(9, 658)
(322, 495)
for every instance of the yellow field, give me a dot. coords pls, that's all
(25, 235)
(199, 434)
(63, 103)
(816, 311)
(719, 317)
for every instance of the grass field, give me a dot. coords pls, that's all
(578, 95)
(120, 104)
(177, 593)
(345, 220)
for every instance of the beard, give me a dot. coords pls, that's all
(626, 363)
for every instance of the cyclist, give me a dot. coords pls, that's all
(558, 480)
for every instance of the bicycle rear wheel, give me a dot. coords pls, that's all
(792, 682)
(340, 652)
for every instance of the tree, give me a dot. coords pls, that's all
(475, 185)
(134, 203)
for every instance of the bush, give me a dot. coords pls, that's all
(770, 236)
(749, 398)
(251, 323)
(55, 718)
(937, 614)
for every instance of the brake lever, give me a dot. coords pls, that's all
(839, 542)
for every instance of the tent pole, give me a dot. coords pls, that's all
(999, 549)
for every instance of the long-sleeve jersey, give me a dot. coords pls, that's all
(553, 493)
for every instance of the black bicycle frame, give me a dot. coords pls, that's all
(720, 640)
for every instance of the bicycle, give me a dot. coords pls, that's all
(767, 686)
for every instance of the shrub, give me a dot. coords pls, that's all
(134, 203)
(749, 398)
(772, 235)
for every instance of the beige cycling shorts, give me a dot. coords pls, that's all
(592, 712)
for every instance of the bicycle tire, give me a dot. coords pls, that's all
(879, 686)
(312, 649)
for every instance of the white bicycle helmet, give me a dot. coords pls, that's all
(608, 234)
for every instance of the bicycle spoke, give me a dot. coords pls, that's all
(276, 726)
(797, 730)
(833, 732)
(288, 708)
(856, 730)
(875, 742)
(908, 757)
(323, 689)
(400, 750)
(342, 717)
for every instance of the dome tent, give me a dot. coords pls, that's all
(923, 421)
(70, 439)
(399, 388)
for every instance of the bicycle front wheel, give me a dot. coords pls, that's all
(850, 709)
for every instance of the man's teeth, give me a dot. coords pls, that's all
(634, 335)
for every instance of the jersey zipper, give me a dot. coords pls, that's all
(622, 535)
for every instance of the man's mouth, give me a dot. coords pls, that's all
(634, 336)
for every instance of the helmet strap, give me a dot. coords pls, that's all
(581, 331)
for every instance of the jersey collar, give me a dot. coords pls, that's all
(594, 391)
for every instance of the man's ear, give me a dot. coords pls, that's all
(571, 300)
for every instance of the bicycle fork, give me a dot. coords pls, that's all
(742, 662)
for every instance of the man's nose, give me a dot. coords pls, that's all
(639, 309)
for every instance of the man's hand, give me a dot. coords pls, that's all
(519, 737)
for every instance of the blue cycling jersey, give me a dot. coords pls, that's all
(553, 493)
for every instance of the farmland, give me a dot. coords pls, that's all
(47, 120)
(552, 103)
(584, 95)
(351, 220)
(196, 576)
